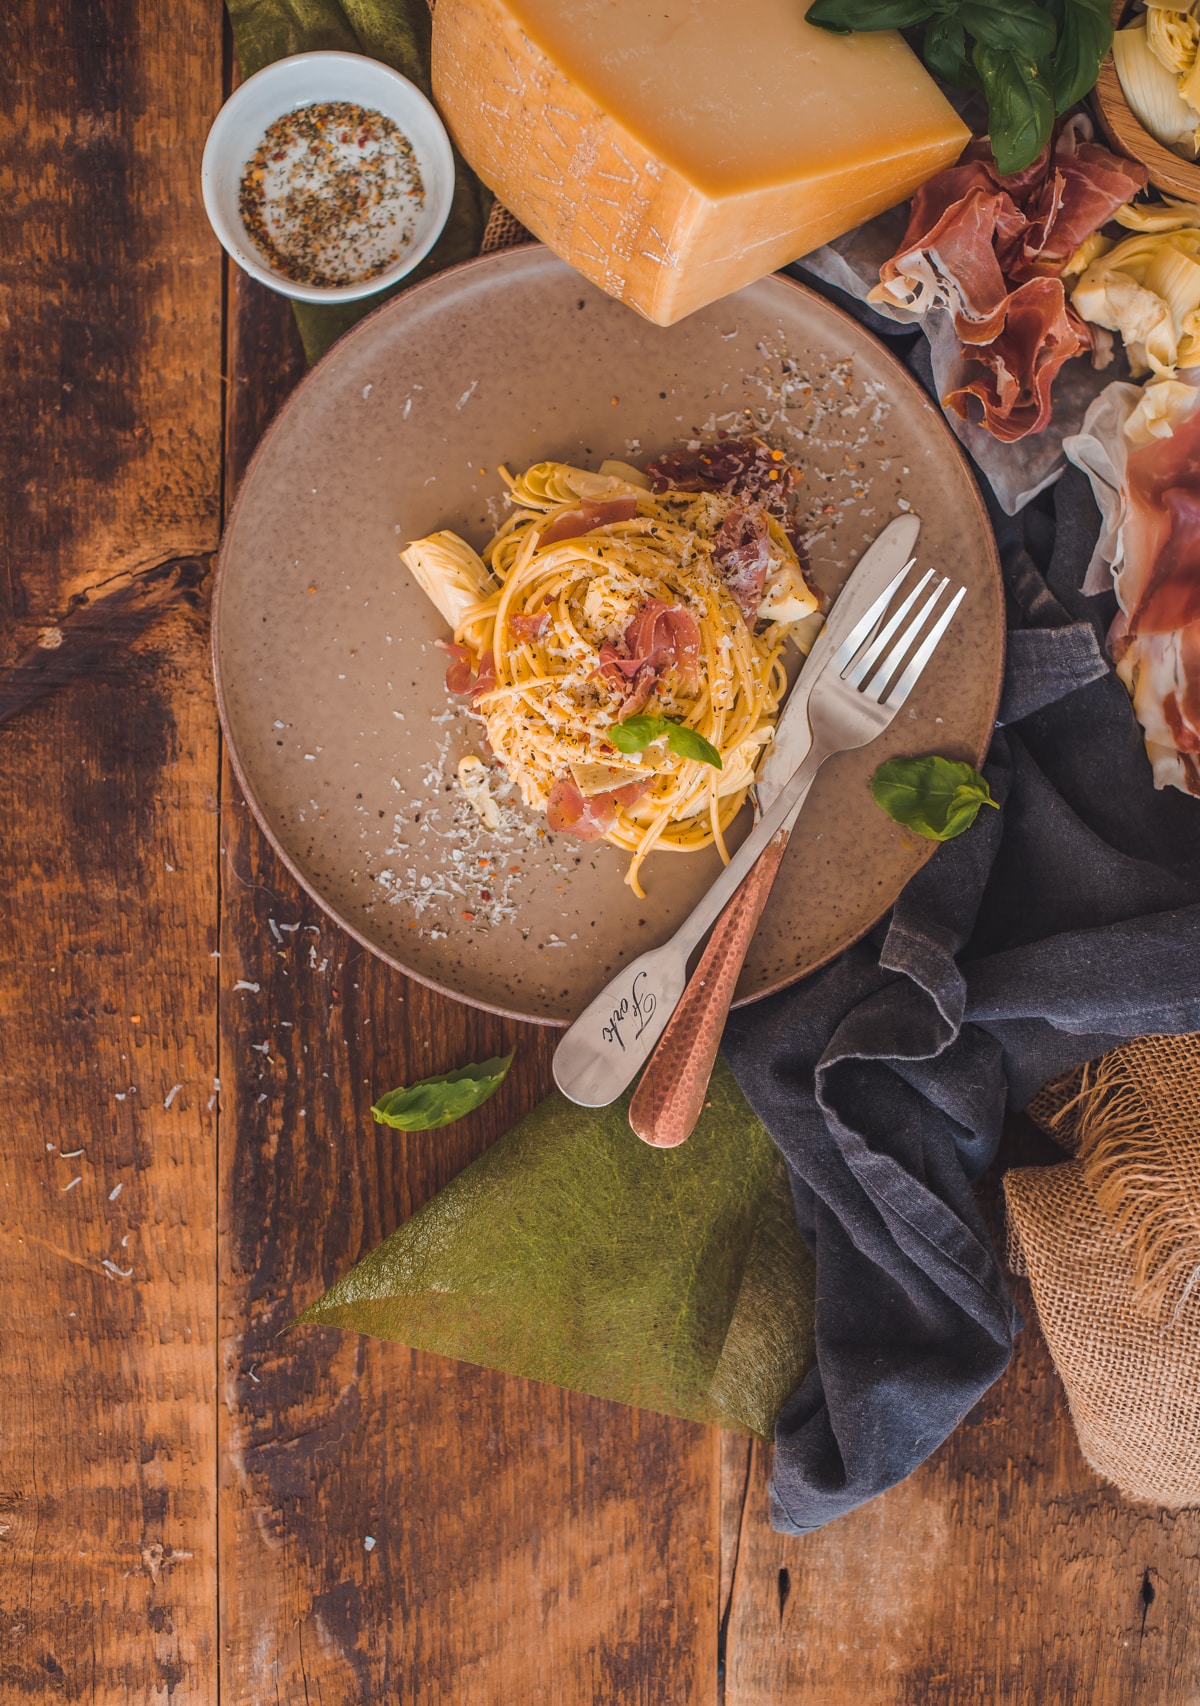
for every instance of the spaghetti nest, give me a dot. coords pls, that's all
(605, 615)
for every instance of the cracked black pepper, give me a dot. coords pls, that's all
(331, 194)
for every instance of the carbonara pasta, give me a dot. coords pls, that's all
(621, 637)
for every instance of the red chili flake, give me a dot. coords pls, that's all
(469, 916)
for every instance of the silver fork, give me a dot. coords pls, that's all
(853, 700)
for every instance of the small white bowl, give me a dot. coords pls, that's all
(301, 81)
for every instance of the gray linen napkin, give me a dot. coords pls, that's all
(1039, 939)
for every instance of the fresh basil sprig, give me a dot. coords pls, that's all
(635, 734)
(1085, 33)
(1032, 59)
(938, 797)
(441, 1100)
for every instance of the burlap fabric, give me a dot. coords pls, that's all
(1110, 1243)
(503, 231)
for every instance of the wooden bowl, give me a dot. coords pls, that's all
(1129, 136)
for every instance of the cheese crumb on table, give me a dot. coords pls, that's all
(473, 780)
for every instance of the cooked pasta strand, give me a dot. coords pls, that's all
(551, 709)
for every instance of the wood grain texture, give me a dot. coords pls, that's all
(529, 1544)
(111, 442)
(112, 296)
(1127, 134)
(107, 1208)
(1003, 1571)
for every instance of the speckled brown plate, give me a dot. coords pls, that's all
(331, 690)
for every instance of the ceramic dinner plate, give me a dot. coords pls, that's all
(332, 691)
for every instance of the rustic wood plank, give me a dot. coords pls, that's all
(1003, 1571)
(111, 434)
(529, 1544)
(107, 1031)
(112, 296)
(736, 1472)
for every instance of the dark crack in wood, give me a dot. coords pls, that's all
(726, 1608)
(99, 626)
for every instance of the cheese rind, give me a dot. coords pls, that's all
(673, 153)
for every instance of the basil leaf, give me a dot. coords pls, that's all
(688, 744)
(442, 1100)
(842, 16)
(1013, 26)
(635, 734)
(1085, 33)
(945, 51)
(1020, 106)
(938, 797)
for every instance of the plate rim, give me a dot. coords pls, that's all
(397, 305)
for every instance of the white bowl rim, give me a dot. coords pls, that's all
(439, 193)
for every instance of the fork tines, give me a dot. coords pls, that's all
(864, 647)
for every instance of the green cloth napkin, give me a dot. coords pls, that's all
(572, 1252)
(398, 33)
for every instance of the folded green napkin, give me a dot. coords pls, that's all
(397, 32)
(570, 1251)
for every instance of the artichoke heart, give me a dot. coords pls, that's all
(548, 484)
(1172, 38)
(1088, 251)
(1153, 92)
(453, 577)
(1148, 288)
(1174, 277)
(1189, 84)
(1161, 404)
(1148, 217)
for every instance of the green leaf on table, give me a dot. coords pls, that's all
(441, 1100)
(1022, 27)
(842, 16)
(1020, 105)
(938, 797)
(1085, 33)
(635, 734)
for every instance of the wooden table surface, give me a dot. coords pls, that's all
(186, 1496)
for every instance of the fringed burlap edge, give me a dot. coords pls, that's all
(1133, 1119)
(1110, 1244)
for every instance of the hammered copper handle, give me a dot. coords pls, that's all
(667, 1102)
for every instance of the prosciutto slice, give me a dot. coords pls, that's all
(991, 249)
(1033, 334)
(1155, 642)
(746, 468)
(530, 627)
(460, 671)
(601, 512)
(1140, 447)
(660, 638)
(742, 549)
(588, 816)
(461, 677)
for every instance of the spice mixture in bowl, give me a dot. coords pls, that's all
(331, 194)
(328, 176)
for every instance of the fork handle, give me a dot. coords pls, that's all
(670, 1096)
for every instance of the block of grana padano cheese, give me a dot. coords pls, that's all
(675, 150)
